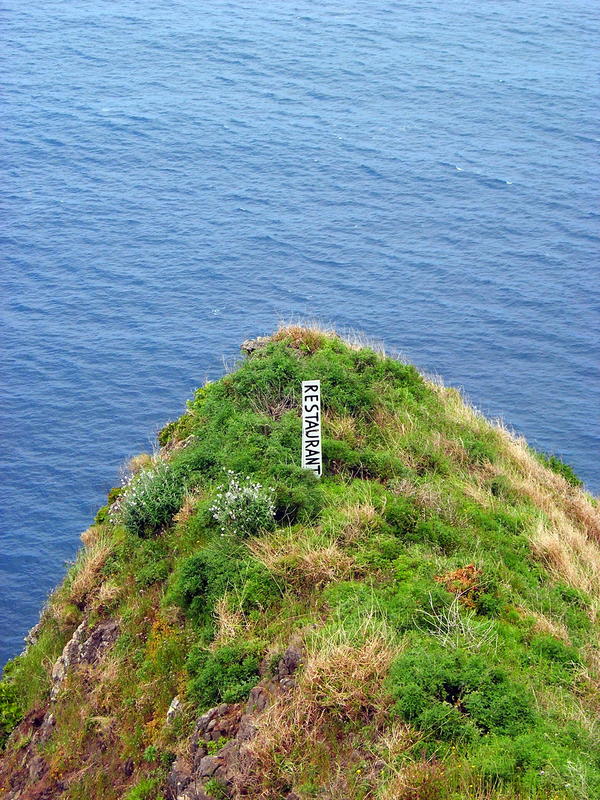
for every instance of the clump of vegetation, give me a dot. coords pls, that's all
(439, 586)
(10, 710)
(151, 499)
(222, 567)
(225, 675)
(243, 507)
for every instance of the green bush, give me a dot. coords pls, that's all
(435, 531)
(243, 507)
(148, 560)
(488, 700)
(339, 457)
(445, 722)
(479, 450)
(553, 650)
(151, 499)
(402, 515)
(223, 566)
(225, 675)
(499, 706)
(10, 711)
(298, 496)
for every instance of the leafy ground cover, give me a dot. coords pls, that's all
(442, 580)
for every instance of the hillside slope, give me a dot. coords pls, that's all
(421, 623)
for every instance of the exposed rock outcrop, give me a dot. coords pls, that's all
(249, 346)
(83, 647)
(233, 722)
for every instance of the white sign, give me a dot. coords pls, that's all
(311, 427)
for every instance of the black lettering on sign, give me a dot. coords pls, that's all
(311, 427)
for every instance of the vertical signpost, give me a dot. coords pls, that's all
(311, 427)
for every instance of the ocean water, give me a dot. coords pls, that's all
(179, 176)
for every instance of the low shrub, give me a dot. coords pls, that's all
(151, 499)
(556, 652)
(340, 457)
(225, 675)
(297, 496)
(402, 514)
(223, 566)
(152, 573)
(435, 531)
(243, 507)
(428, 685)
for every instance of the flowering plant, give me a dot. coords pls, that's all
(243, 506)
(150, 499)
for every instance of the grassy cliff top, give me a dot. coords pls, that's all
(421, 623)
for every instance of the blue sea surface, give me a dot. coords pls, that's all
(179, 176)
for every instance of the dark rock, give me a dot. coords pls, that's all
(174, 709)
(34, 633)
(258, 700)
(82, 648)
(220, 721)
(46, 728)
(128, 767)
(236, 722)
(208, 766)
(70, 655)
(177, 781)
(290, 661)
(101, 638)
(37, 768)
(247, 729)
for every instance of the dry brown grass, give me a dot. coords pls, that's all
(548, 490)
(361, 518)
(273, 403)
(428, 497)
(107, 596)
(299, 561)
(395, 740)
(308, 338)
(107, 687)
(66, 614)
(569, 555)
(342, 426)
(230, 622)
(341, 682)
(346, 680)
(88, 569)
(190, 502)
(91, 535)
(392, 423)
(545, 624)
(417, 780)
(453, 448)
(567, 540)
(138, 463)
(304, 330)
